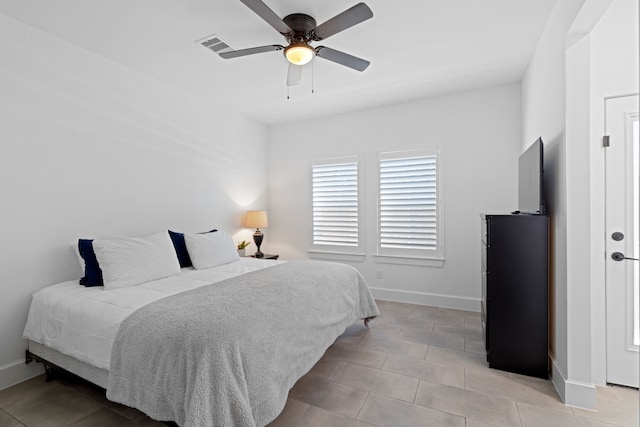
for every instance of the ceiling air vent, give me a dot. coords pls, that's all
(215, 44)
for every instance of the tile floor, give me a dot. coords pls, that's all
(415, 366)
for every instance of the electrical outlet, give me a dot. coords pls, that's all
(379, 274)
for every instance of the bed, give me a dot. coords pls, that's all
(214, 346)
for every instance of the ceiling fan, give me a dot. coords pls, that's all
(300, 30)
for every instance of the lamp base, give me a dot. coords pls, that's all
(257, 239)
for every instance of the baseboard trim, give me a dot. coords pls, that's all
(423, 298)
(17, 372)
(573, 393)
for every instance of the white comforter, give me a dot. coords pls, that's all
(82, 322)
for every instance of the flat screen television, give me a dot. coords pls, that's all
(530, 171)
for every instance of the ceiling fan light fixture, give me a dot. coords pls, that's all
(299, 53)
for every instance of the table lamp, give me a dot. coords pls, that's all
(257, 219)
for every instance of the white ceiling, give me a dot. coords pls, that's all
(417, 48)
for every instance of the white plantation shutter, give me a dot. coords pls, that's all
(408, 217)
(335, 209)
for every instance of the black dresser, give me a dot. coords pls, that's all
(515, 292)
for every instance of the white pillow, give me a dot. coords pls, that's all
(211, 249)
(129, 261)
(76, 251)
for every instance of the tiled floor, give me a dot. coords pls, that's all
(415, 366)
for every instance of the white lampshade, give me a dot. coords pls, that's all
(256, 219)
(299, 53)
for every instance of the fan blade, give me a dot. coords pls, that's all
(252, 50)
(294, 74)
(263, 11)
(342, 21)
(342, 58)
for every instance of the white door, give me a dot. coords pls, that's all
(622, 241)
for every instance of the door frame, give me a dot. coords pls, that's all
(606, 237)
(598, 236)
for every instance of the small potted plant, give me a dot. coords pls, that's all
(242, 247)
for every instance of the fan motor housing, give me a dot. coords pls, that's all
(300, 23)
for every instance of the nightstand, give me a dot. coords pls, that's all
(268, 256)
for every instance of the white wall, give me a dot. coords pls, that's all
(543, 100)
(558, 103)
(90, 148)
(478, 133)
(614, 50)
(615, 71)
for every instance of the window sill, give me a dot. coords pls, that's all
(339, 256)
(409, 260)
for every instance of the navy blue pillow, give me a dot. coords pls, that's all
(92, 272)
(181, 247)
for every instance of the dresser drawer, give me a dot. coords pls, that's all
(483, 231)
(483, 256)
(484, 286)
(483, 318)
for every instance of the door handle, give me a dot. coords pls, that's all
(619, 256)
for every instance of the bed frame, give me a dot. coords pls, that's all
(52, 359)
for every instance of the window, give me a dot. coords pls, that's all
(409, 218)
(335, 212)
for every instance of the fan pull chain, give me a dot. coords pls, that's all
(313, 79)
(287, 92)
